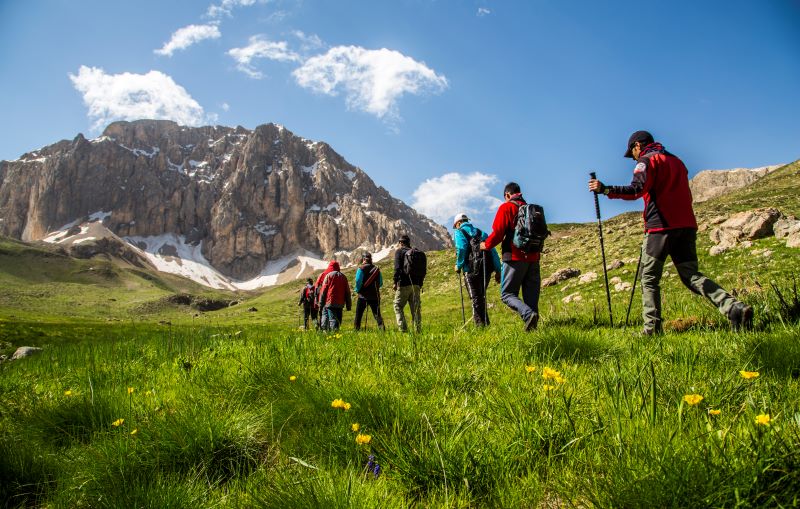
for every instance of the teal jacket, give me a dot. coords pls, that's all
(462, 246)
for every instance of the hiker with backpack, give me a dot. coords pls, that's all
(662, 180)
(323, 319)
(410, 268)
(308, 302)
(369, 281)
(477, 265)
(334, 295)
(520, 228)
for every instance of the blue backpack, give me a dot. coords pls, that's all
(530, 230)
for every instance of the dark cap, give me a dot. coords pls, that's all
(366, 256)
(404, 240)
(643, 137)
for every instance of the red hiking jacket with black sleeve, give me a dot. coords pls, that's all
(662, 180)
(503, 232)
(335, 291)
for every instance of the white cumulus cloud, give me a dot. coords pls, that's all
(483, 11)
(441, 198)
(129, 96)
(260, 47)
(186, 36)
(372, 80)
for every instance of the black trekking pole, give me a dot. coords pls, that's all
(633, 290)
(484, 284)
(367, 311)
(603, 251)
(461, 290)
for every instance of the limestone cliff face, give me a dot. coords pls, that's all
(250, 196)
(709, 184)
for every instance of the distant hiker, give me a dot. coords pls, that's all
(476, 265)
(308, 302)
(671, 229)
(410, 268)
(369, 281)
(334, 295)
(323, 318)
(520, 268)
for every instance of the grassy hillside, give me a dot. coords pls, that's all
(235, 408)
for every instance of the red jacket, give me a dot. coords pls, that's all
(332, 265)
(663, 181)
(503, 231)
(335, 290)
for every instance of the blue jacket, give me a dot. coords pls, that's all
(361, 278)
(462, 246)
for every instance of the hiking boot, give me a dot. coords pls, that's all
(741, 317)
(532, 322)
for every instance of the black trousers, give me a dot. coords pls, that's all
(361, 306)
(476, 288)
(309, 311)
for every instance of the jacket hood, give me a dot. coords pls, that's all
(333, 265)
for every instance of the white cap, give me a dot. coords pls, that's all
(459, 217)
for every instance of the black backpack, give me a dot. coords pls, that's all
(415, 264)
(530, 230)
(477, 259)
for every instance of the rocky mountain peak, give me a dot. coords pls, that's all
(242, 200)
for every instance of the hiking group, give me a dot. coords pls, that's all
(659, 178)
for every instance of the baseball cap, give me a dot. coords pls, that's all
(459, 217)
(643, 137)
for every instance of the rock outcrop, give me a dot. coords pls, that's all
(743, 226)
(242, 197)
(709, 184)
(561, 275)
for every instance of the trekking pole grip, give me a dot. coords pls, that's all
(593, 176)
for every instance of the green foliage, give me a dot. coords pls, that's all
(234, 409)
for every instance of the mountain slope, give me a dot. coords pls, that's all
(239, 199)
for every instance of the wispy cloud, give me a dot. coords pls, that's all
(129, 96)
(372, 80)
(187, 36)
(483, 11)
(260, 47)
(308, 42)
(224, 8)
(441, 198)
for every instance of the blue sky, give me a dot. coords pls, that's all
(441, 102)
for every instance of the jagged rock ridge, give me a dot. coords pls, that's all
(246, 197)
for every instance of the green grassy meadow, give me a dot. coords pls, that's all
(137, 401)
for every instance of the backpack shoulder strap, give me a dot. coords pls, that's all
(465, 234)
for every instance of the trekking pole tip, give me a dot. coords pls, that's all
(593, 175)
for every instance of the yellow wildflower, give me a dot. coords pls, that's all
(130, 390)
(763, 419)
(118, 423)
(550, 374)
(714, 412)
(549, 387)
(355, 427)
(346, 407)
(559, 379)
(747, 375)
(68, 393)
(292, 378)
(693, 399)
(530, 369)
(363, 439)
(135, 431)
(337, 403)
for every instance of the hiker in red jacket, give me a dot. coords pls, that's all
(661, 179)
(520, 269)
(323, 319)
(334, 295)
